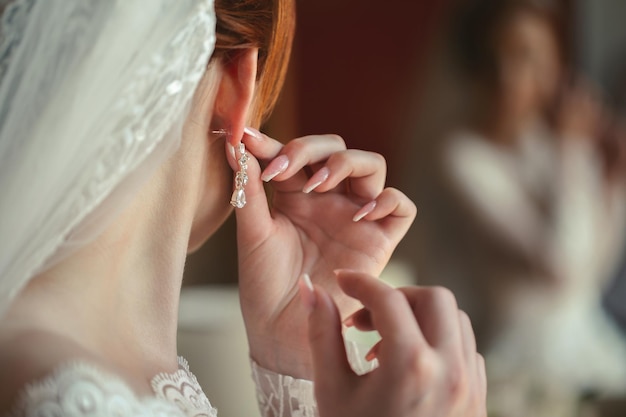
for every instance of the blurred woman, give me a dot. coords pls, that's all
(532, 228)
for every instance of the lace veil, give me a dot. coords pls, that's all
(93, 95)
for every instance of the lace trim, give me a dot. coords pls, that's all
(80, 389)
(284, 396)
(182, 388)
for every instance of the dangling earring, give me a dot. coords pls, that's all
(238, 198)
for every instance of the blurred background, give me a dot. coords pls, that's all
(505, 121)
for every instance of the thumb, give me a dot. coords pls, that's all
(331, 369)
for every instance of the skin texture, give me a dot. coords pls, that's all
(312, 233)
(427, 355)
(428, 360)
(126, 284)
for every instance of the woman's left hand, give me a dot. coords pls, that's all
(329, 210)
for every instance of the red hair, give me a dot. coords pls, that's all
(268, 25)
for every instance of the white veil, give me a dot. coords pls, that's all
(93, 95)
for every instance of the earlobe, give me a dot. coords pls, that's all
(235, 96)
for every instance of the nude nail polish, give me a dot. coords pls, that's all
(250, 131)
(371, 355)
(231, 150)
(307, 292)
(364, 211)
(276, 167)
(316, 180)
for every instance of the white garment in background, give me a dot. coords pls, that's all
(548, 199)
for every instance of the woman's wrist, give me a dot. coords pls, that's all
(285, 360)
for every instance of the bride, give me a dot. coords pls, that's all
(120, 125)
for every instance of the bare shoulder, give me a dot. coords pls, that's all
(28, 355)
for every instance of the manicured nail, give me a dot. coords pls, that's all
(277, 166)
(307, 292)
(340, 271)
(250, 131)
(318, 178)
(364, 211)
(371, 355)
(231, 150)
(307, 281)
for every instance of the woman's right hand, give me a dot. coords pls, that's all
(429, 366)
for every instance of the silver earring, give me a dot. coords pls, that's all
(238, 198)
(220, 132)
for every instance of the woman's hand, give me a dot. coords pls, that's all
(329, 210)
(580, 113)
(428, 364)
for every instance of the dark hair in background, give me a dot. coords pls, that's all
(475, 26)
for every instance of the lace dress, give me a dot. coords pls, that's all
(79, 389)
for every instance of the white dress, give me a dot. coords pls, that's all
(556, 344)
(79, 389)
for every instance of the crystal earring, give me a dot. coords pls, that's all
(238, 198)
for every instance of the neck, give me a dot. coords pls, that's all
(125, 285)
(501, 123)
(117, 297)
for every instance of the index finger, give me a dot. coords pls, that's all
(437, 314)
(390, 311)
(261, 145)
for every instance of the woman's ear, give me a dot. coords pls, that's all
(236, 93)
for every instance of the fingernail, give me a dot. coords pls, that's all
(371, 355)
(307, 292)
(318, 178)
(349, 322)
(250, 131)
(340, 271)
(231, 150)
(277, 166)
(364, 211)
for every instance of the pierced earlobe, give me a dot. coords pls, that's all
(221, 132)
(238, 199)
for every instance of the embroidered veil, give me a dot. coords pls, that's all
(93, 95)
